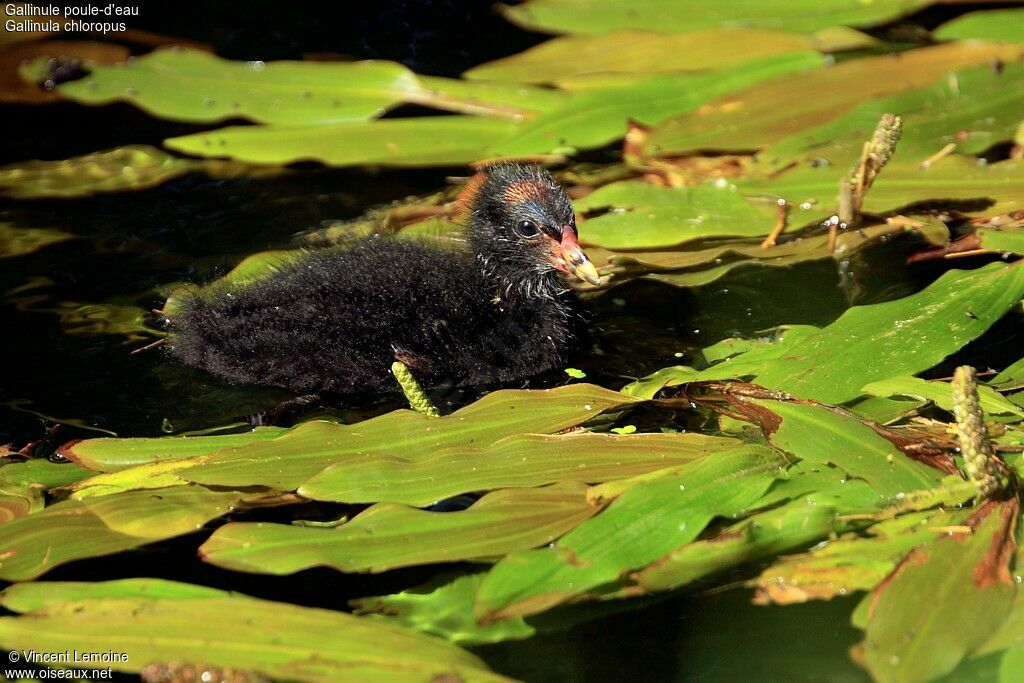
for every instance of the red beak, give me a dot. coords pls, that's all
(568, 257)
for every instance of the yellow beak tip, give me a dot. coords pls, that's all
(588, 273)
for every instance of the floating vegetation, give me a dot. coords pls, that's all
(803, 452)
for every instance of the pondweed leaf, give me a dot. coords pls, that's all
(870, 343)
(646, 521)
(964, 578)
(229, 630)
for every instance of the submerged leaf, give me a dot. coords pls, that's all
(133, 167)
(15, 241)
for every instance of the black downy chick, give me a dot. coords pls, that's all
(335, 319)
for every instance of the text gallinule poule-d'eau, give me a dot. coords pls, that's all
(335, 319)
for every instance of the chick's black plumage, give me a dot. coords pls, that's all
(335, 319)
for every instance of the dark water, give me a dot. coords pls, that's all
(64, 362)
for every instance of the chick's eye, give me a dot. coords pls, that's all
(527, 228)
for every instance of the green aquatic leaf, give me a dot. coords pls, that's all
(998, 25)
(596, 116)
(765, 113)
(751, 357)
(61, 533)
(1011, 377)
(818, 435)
(72, 530)
(868, 343)
(113, 454)
(422, 141)
(287, 462)
(904, 336)
(132, 167)
(815, 485)
(646, 521)
(763, 535)
(973, 109)
(1010, 634)
(38, 595)
(42, 474)
(685, 267)
(498, 98)
(19, 501)
(640, 52)
(23, 66)
(519, 460)
(644, 216)
(1009, 240)
(192, 85)
(963, 578)
(235, 631)
(853, 562)
(884, 410)
(878, 341)
(445, 610)
(162, 513)
(941, 394)
(16, 241)
(681, 16)
(387, 535)
(1011, 666)
(145, 477)
(649, 386)
(186, 84)
(704, 276)
(956, 181)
